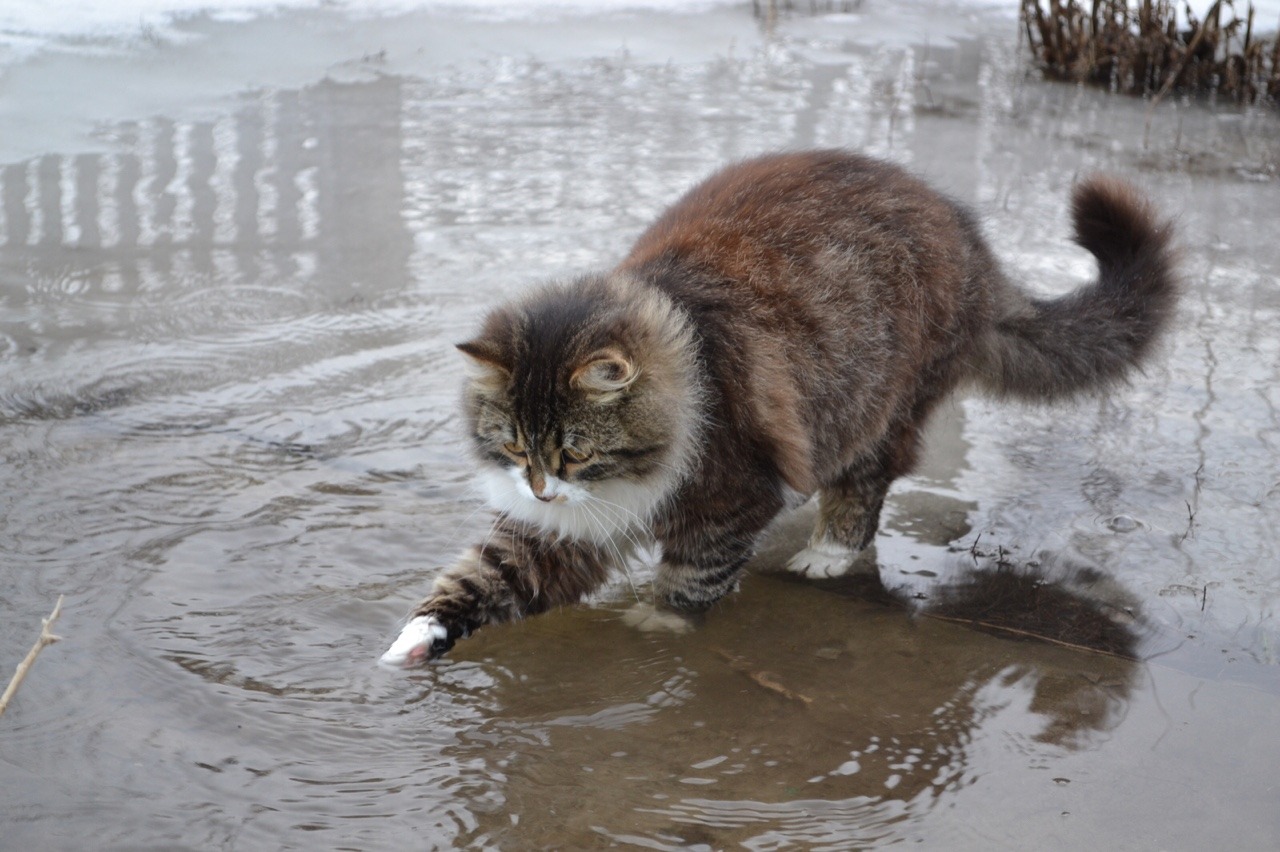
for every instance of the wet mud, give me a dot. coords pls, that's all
(227, 420)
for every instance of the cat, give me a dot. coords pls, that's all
(784, 329)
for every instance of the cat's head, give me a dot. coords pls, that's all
(584, 405)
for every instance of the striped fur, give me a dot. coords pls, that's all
(786, 327)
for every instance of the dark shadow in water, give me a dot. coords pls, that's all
(1016, 602)
(1052, 600)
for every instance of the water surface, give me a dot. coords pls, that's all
(229, 432)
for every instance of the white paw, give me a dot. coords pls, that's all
(648, 619)
(413, 646)
(823, 560)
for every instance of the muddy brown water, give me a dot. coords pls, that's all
(229, 437)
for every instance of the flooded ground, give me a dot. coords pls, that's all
(227, 397)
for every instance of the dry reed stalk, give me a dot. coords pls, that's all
(1137, 47)
(768, 10)
(46, 638)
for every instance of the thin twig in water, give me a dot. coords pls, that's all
(764, 679)
(46, 638)
(1014, 631)
(1191, 521)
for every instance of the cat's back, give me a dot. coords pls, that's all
(758, 216)
(825, 287)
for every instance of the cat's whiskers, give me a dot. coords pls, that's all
(639, 521)
(627, 532)
(625, 529)
(604, 507)
(598, 522)
(462, 525)
(498, 518)
(608, 541)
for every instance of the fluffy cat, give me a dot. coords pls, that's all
(783, 330)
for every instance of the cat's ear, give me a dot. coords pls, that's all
(486, 365)
(604, 374)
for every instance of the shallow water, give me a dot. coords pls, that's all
(227, 396)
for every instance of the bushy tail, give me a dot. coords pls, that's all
(1091, 338)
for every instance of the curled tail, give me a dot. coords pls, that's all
(1043, 349)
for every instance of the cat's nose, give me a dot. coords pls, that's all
(545, 498)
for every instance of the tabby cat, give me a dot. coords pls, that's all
(785, 329)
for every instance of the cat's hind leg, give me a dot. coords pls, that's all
(849, 510)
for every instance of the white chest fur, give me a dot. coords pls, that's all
(601, 512)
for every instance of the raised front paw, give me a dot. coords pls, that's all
(424, 638)
(823, 561)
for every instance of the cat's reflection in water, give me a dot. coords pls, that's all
(863, 701)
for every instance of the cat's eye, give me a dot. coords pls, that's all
(513, 448)
(577, 456)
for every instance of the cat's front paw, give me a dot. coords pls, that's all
(424, 638)
(823, 561)
(649, 619)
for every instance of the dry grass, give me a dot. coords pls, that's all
(770, 9)
(1138, 48)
